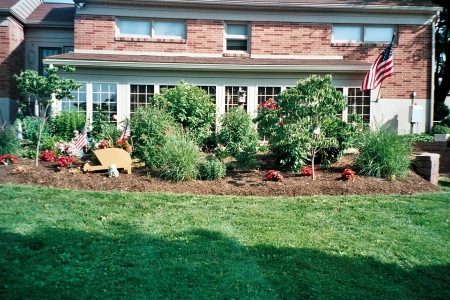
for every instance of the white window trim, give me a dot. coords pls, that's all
(242, 37)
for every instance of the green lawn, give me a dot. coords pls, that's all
(75, 245)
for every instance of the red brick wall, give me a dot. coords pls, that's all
(412, 55)
(12, 58)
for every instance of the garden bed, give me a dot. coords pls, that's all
(242, 183)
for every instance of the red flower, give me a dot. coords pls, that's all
(66, 161)
(306, 171)
(348, 174)
(273, 175)
(48, 155)
(8, 159)
(269, 104)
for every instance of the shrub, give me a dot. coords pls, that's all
(289, 122)
(190, 106)
(8, 140)
(48, 155)
(212, 169)
(30, 129)
(439, 129)
(441, 111)
(178, 158)
(348, 174)
(384, 154)
(66, 161)
(273, 175)
(150, 126)
(63, 124)
(419, 137)
(8, 159)
(239, 137)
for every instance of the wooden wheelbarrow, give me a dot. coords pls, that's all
(110, 156)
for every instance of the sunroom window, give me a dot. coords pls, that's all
(363, 33)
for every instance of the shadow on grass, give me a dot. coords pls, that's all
(200, 264)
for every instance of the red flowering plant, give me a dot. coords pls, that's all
(307, 171)
(273, 175)
(8, 159)
(48, 155)
(269, 104)
(123, 144)
(348, 174)
(104, 144)
(66, 161)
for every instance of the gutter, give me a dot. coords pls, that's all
(206, 67)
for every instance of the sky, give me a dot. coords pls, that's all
(59, 1)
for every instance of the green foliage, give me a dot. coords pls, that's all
(151, 126)
(190, 106)
(239, 137)
(107, 132)
(212, 169)
(178, 158)
(288, 125)
(64, 123)
(384, 154)
(441, 111)
(439, 129)
(30, 130)
(445, 122)
(9, 144)
(419, 137)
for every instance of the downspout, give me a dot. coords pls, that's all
(433, 69)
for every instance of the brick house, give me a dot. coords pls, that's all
(126, 51)
(30, 30)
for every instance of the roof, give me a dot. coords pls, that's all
(51, 13)
(8, 3)
(206, 63)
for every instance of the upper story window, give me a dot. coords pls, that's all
(237, 37)
(363, 33)
(151, 28)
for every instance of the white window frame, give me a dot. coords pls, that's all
(345, 112)
(242, 37)
(363, 28)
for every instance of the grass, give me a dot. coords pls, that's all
(69, 244)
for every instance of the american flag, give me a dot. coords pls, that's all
(126, 133)
(82, 139)
(382, 68)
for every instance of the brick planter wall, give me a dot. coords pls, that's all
(442, 148)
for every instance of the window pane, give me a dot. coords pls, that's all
(347, 33)
(237, 29)
(174, 29)
(134, 27)
(379, 33)
(239, 45)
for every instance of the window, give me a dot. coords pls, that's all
(235, 96)
(265, 93)
(358, 104)
(237, 37)
(152, 28)
(44, 53)
(104, 100)
(210, 90)
(139, 95)
(77, 104)
(363, 33)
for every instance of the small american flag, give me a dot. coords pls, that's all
(382, 68)
(82, 139)
(126, 133)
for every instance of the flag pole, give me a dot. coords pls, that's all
(379, 92)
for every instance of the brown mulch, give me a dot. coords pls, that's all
(241, 183)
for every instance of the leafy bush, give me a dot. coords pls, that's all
(63, 124)
(190, 106)
(441, 111)
(419, 137)
(445, 122)
(289, 122)
(239, 137)
(439, 129)
(383, 153)
(9, 144)
(212, 169)
(150, 126)
(178, 158)
(30, 129)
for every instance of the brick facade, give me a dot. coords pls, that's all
(12, 57)
(412, 55)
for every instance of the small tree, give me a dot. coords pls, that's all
(296, 124)
(45, 89)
